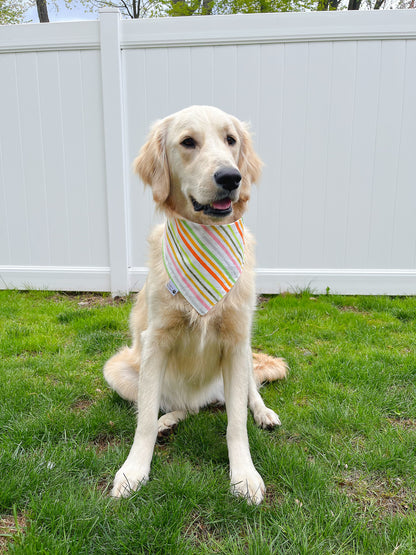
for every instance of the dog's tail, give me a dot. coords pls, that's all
(268, 369)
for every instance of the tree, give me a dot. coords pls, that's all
(189, 7)
(12, 11)
(325, 5)
(129, 8)
(356, 4)
(42, 7)
(263, 6)
(153, 8)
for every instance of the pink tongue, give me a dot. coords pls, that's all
(223, 204)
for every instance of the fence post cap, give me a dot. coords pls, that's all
(109, 10)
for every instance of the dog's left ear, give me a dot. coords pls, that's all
(152, 163)
(249, 163)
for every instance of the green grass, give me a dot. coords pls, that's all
(340, 471)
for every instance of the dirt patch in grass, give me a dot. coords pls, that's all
(386, 495)
(80, 405)
(289, 437)
(403, 423)
(262, 300)
(272, 497)
(105, 484)
(350, 308)
(92, 299)
(202, 533)
(102, 443)
(98, 300)
(9, 527)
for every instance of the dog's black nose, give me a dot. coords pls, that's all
(228, 178)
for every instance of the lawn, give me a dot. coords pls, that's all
(340, 471)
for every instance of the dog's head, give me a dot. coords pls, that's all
(200, 164)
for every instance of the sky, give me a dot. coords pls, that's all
(77, 13)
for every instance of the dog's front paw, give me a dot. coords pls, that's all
(248, 484)
(266, 418)
(127, 480)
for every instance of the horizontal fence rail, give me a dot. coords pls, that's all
(331, 101)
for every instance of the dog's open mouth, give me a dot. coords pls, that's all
(217, 208)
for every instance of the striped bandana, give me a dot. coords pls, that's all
(203, 261)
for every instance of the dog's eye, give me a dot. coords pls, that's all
(230, 140)
(189, 142)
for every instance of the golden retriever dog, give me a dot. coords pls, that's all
(200, 164)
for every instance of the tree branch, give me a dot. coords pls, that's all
(126, 7)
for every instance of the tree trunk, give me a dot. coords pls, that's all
(354, 4)
(378, 4)
(42, 11)
(325, 5)
(207, 7)
(136, 9)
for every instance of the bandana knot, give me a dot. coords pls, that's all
(203, 261)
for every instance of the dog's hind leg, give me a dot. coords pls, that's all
(168, 421)
(276, 369)
(121, 372)
(263, 416)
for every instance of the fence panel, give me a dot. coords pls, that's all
(52, 161)
(330, 98)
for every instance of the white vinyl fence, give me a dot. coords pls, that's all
(331, 98)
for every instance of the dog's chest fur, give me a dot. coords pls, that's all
(193, 373)
(197, 345)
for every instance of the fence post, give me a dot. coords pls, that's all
(114, 149)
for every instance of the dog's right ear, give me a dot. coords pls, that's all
(152, 164)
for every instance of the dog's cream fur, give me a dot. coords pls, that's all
(180, 361)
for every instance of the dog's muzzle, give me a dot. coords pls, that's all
(228, 181)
